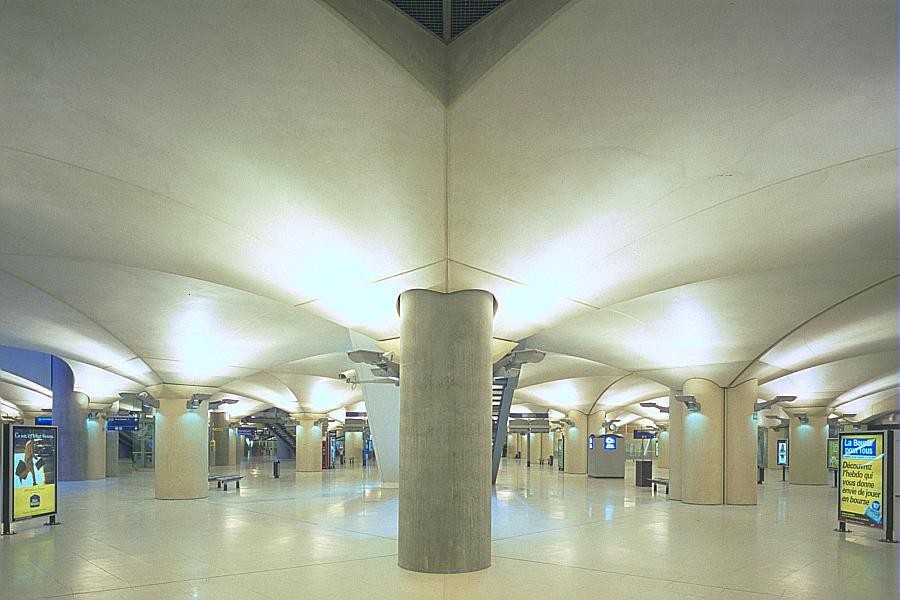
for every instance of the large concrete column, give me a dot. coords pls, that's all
(182, 464)
(445, 390)
(576, 444)
(808, 448)
(70, 410)
(353, 448)
(96, 448)
(309, 444)
(232, 446)
(112, 453)
(676, 445)
(703, 444)
(741, 443)
(662, 442)
(218, 421)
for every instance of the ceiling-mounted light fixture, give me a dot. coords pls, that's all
(803, 418)
(764, 404)
(218, 403)
(690, 402)
(196, 400)
(659, 407)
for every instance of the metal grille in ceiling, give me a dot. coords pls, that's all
(465, 13)
(430, 14)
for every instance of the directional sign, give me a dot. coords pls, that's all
(116, 423)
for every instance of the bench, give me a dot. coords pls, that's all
(660, 481)
(222, 481)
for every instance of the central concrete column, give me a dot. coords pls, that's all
(445, 391)
(96, 449)
(676, 436)
(741, 443)
(112, 453)
(182, 465)
(309, 444)
(703, 444)
(232, 446)
(662, 442)
(353, 448)
(808, 448)
(218, 421)
(70, 410)
(576, 444)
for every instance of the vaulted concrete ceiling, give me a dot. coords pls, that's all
(211, 195)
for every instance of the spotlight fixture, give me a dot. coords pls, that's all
(218, 403)
(143, 399)
(764, 404)
(196, 400)
(803, 418)
(690, 402)
(659, 407)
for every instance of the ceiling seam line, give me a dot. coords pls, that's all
(807, 321)
(742, 195)
(110, 333)
(158, 271)
(380, 280)
(141, 188)
(606, 389)
(511, 280)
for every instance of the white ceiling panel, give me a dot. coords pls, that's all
(250, 164)
(830, 380)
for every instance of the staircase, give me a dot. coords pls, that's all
(282, 433)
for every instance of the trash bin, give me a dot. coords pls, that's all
(276, 469)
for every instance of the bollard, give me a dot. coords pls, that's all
(276, 469)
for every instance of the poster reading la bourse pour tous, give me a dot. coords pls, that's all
(32, 471)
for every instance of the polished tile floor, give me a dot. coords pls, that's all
(333, 535)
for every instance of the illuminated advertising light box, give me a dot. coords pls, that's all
(834, 453)
(781, 453)
(861, 493)
(29, 472)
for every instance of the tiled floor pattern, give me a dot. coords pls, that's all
(333, 535)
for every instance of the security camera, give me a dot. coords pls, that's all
(350, 376)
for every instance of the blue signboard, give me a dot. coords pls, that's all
(116, 423)
(43, 420)
(591, 442)
(858, 448)
(247, 431)
(644, 434)
(609, 442)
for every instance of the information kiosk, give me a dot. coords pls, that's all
(606, 456)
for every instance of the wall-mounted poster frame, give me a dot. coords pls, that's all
(781, 452)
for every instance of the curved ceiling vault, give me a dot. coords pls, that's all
(652, 192)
